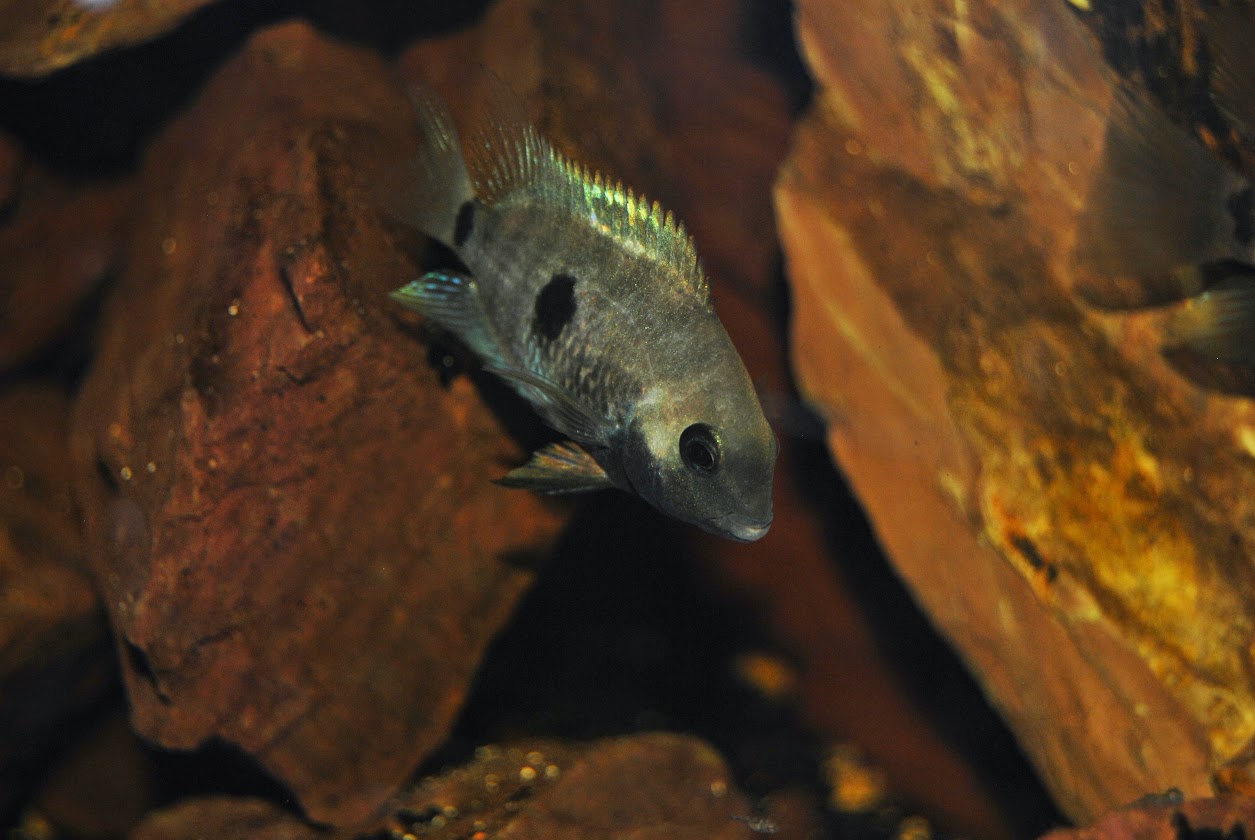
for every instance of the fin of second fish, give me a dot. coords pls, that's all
(1228, 33)
(452, 301)
(1159, 201)
(1219, 324)
(562, 467)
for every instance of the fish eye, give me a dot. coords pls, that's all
(699, 448)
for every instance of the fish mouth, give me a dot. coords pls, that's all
(744, 530)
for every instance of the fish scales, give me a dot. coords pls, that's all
(591, 303)
(521, 245)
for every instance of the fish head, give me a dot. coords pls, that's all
(707, 457)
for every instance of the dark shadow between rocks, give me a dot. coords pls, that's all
(96, 117)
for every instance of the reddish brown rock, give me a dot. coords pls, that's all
(225, 817)
(102, 785)
(47, 606)
(1071, 512)
(292, 521)
(56, 251)
(52, 652)
(40, 36)
(657, 786)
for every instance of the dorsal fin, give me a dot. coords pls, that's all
(508, 157)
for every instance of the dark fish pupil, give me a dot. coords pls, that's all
(555, 306)
(699, 448)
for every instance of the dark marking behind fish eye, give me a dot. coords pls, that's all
(1242, 210)
(699, 449)
(555, 306)
(465, 223)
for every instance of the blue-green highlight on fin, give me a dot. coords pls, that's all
(562, 467)
(451, 299)
(508, 160)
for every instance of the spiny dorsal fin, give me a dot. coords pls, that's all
(508, 157)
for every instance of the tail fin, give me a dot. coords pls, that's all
(428, 190)
(1160, 201)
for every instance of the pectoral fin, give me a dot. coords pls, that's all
(452, 301)
(563, 467)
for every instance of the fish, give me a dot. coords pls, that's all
(591, 303)
(1167, 221)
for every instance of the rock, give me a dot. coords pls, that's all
(655, 786)
(43, 288)
(46, 601)
(41, 36)
(291, 519)
(102, 785)
(51, 629)
(1159, 818)
(225, 817)
(1072, 513)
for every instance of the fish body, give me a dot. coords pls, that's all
(591, 303)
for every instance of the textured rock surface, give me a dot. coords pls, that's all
(40, 36)
(646, 787)
(1225, 818)
(1071, 513)
(291, 519)
(46, 602)
(230, 818)
(51, 628)
(649, 786)
(42, 288)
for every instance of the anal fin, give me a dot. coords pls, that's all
(1219, 324)
(562, 467)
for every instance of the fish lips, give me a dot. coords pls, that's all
(741, 528)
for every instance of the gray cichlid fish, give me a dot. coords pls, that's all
(1166, 220)
(591, 304)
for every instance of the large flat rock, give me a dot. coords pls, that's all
(1072, 513)
(291, 519)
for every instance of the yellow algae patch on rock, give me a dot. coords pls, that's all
(1076, 516)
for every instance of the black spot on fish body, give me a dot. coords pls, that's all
(1241, 206)
(555, 306)
(464, 225)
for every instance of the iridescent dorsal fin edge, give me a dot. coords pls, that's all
(509, 160)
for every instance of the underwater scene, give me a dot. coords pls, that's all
(629, 420)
